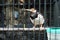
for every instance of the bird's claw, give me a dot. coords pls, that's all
(33, 28)
(41, 28)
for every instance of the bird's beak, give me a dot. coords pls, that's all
(33, 11)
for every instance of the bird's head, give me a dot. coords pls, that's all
(33, 10)
(33, 13)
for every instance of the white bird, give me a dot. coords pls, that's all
(38, 20)
(36, 17)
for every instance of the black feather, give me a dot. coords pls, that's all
(34, 16)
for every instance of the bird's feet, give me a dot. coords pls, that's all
(33, 28)
(41, 28)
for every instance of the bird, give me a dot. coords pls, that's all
(36, 17)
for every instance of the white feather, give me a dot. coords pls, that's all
(39, 20)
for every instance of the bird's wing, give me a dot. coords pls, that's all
(38, 20)
(41, 18)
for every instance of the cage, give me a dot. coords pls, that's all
(10, 6)
(15, 23)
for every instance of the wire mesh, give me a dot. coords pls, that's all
(15, 20)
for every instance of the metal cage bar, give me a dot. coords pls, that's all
(15, 5)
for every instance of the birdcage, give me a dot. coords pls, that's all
(15, 23)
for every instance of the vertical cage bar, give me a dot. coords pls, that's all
(24, 22)
(50, 14)
(18, 19)
(29, 3)
(34, 21)
(3, 16)
(34, 3)
(45, 10)
(12, 18)
(44, 15)
(39, 36)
